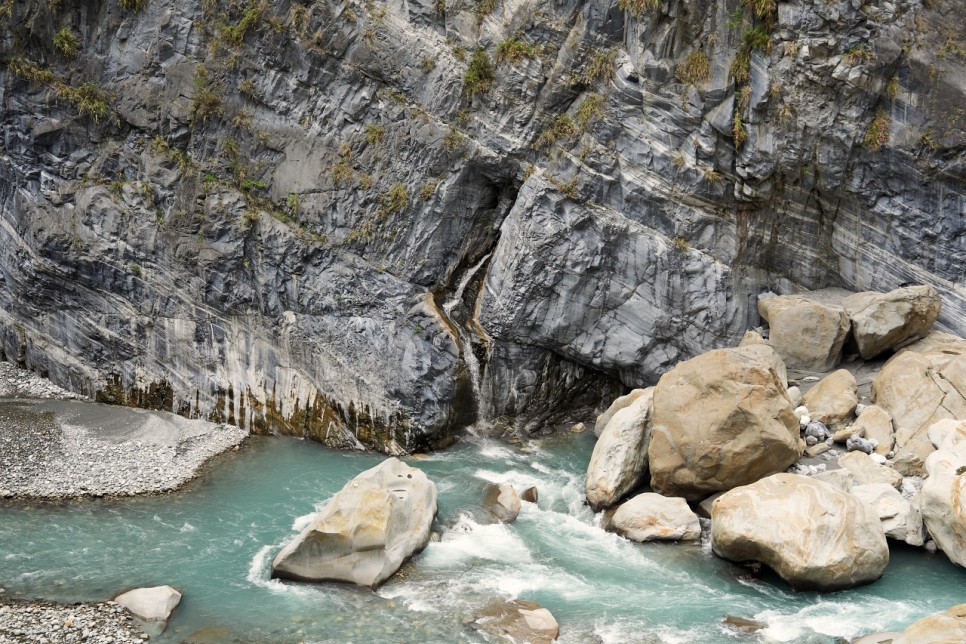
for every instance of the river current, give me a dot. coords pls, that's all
(215, 540)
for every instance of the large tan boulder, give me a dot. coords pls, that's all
(618, 404)
(812, 535)
(768, 356)
(652, 517)
(900, 517)
(517, 620)
(366, 531)
(619, 462)
(944, 491)
(806, 334)
(865, 470)
(153, 604)
(721, 420)
(875, 423)
(948, 627)
(922, 384)
(882, 321)
(833, 399)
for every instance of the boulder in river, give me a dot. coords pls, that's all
(812, 535)
(721, 420)
(151, 604)
(618, 404)
(832, 401)
(882, 321)
(652, 517)
(806, 334)
(619, 461)
(502, 502)
(948, 627)
(517, 620)
(366, 531)
(944, 492)
(530, 494)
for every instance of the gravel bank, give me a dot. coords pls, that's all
(59, 448)
(39, 621)
(20, 383)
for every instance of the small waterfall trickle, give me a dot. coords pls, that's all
(460, 313)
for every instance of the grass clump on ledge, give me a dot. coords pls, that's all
(479, 75)
(878, 133)
(562, 128)
(589, 110)
(89, 99)
(396, 199)
(600, 67)
(65, 42)
(514, 50)
(696, 69)
(738, 131)
(637, 8)
(133, 5)
(235, 34)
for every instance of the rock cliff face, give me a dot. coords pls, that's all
(372, 223)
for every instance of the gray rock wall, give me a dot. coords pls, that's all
(300, 218)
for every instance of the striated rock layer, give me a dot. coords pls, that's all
(372, 224)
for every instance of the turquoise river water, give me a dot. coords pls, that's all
(215, 540)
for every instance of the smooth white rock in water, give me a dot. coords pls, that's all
(652, 517)
(366, 531)
(619, 460)
(517, 620)
(151, 604)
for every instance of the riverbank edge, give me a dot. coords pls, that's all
(20, 384)
(41, 620)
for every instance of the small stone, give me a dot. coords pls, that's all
(816, 450)
(817, 430)
(859, 444)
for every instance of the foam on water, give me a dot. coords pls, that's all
(831, 618)
(469, 540)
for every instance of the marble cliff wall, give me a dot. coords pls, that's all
(341, 220)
